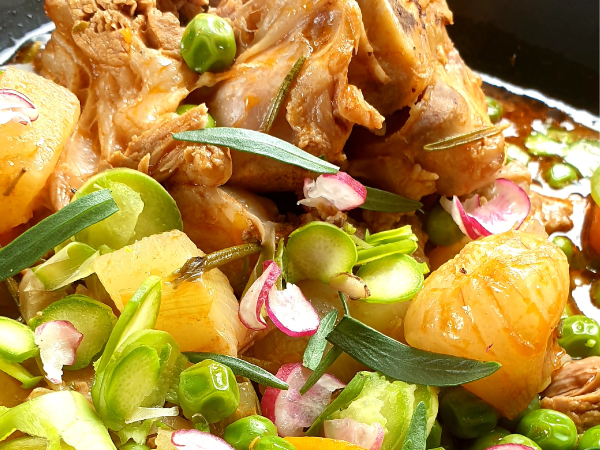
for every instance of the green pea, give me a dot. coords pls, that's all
(512, 424)
(440, 227)
(208, 44)
(515, 153)
(494, 109)
(566, 245)
(590, 439)
(580, 336)
(465, 415)
(551, 430)
(241, 433)
(182, 109)
(489, 439)
(435, 436)
(519, 439)
(561, 175)
(272, 443)
(210, 389)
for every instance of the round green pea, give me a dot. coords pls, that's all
(272, 443)
(566, 245)
(519, 439)
(208, 44)
(210, 389)
(489, 439)
(512, 424)
(590, 439)
(580, 336)
(241, 433)
(440, 227)
(551, 430)
(182, 109)
(465, 415)
(494, 109)
(561, 175)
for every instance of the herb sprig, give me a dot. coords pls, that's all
(416, 436)
(317, 342)
(467, 138)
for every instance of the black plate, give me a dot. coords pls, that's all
(548, 45)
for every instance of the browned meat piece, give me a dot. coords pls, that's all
(575, 391)
(553, 213)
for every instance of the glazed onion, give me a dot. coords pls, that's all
(340, 190)
(357, 433)
(58, 341)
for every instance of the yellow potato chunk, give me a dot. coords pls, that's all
(500, 299)
(29, 153)
(201, 315)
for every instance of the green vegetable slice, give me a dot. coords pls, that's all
(317, 342)
(494, 109)
(350, 392)
(25, 250)
(389, 236)
(516, 153)
(146, 208)
(395, 278)
(241, 368)
(19, 372)
(71, 263)
(405, 247)
(317, 251)
(401, 362)
(30, 443)
(16, 341)
(596, 186)
(91, 318)
(539, 144)
(383, 201)
(65, 415)
(140, 313)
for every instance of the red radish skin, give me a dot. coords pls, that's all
(58, 341)
(508, 209)
(291, 312)
(198, 440)
(252, 302)
(340, 190)
(16, 107)
(292, 412)
(366, 436)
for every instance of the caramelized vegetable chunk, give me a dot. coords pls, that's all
(500, 299)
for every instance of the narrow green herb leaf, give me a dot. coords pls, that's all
(281, 95)
(344, 304)
(396, 234)
(241, 368)
(20, 373)
(404, 247)
(258, 144)
(383, 201)
(416, 436)
(318, 342)
(404, 363)
(349, 393)
(331, 356)
(467, 138)
(196, 266)
(54, 230)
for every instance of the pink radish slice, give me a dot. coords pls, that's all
(341, 190)
(198, 440)
(291, 312)
(357, 433)
(252, 302)
(16, 107)
(350, 284)
(292, 412)
(58, 341)
(510, 447)
(506, 210)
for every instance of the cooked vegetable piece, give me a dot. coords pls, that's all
(65, 415)
(580, 336)
(551, 430)
(134, 446)
(182, 109)
(30, 443)
(494, 109)
(520, 440)
(539, 144)
(18, 372)
(16, 341)
(208, 44)
(317, 251)
(145, 208)
(73, 262)
(566, 245)
(273, 443)
(466, 415)
(91, 318)
(394, 278)
(210, 389)
(402, 247)
(441, 228)
(596, 186)
(561, 175)
(590, 439)
(516, 153)
(242, 432)
(434, 439)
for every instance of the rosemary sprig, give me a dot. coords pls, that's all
(317, 342)
(467, 138)
(383, 201)
(331, 356)
(416, 436)
(281, 95)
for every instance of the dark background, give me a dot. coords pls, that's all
(548, 45)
